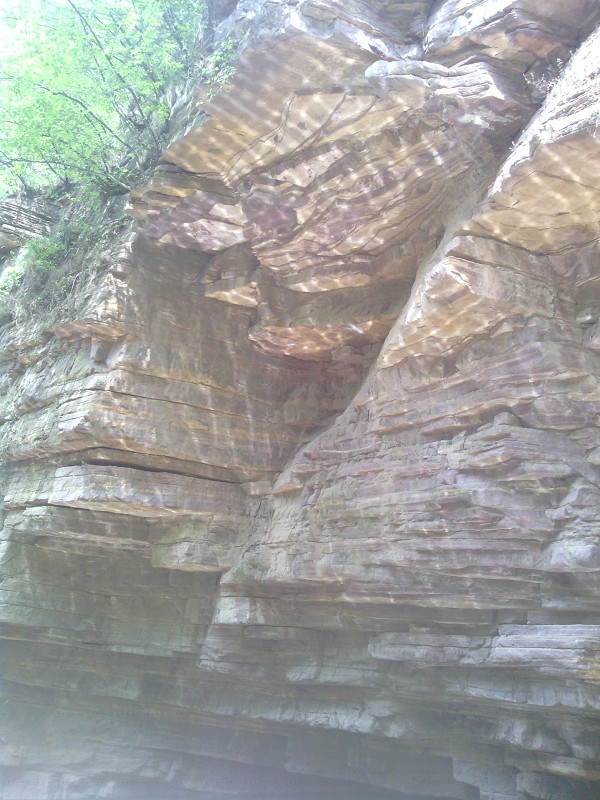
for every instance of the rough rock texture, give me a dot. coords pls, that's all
(19, 219)
(304, 504)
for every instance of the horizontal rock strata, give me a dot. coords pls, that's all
(19, 220)
(304, 502)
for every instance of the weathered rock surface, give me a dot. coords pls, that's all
(304, 503)
(20, 219)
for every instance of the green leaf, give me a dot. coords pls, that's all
(79, 80)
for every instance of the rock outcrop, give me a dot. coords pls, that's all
(304, 503)
(19, 220)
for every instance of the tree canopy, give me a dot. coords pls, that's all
(81, 79)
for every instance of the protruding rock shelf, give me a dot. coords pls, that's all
(303, 505)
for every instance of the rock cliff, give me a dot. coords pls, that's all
(303, 503)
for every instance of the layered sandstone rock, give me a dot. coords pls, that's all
(21, 219)
(304, 502)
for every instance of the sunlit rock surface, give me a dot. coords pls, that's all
(304, 503)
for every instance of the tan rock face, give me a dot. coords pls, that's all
(304, 503)
(20, 219)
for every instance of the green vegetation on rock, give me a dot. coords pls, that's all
(83, 115)
(82, 86)
(47, 272)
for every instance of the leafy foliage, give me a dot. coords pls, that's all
(9, 279)
(83, 81)
(82, 109)
(37, 282)
(219, 67)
